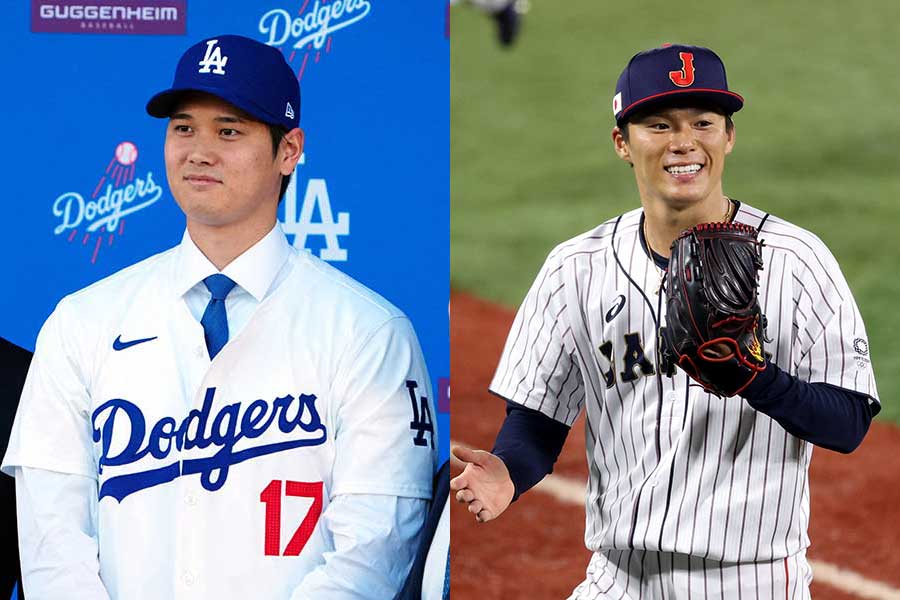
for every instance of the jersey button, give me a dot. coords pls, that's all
(190, 500)
(198, 351)
(188, 578)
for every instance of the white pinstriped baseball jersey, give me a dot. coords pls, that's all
(673, 468)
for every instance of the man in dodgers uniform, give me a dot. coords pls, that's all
(232, 418)
(689, 495)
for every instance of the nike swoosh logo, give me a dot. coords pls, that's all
(118, 344)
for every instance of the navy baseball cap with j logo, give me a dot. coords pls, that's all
(244, 72)
(670, 72)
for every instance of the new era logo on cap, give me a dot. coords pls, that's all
(246, 73)
(662, 73)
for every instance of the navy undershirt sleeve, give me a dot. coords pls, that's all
(529, 442)
(820, 413)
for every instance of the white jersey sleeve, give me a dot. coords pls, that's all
(831, 345)
(52, 429)
(375, 539)
(537, 368)
(63, 508)
(384, 418)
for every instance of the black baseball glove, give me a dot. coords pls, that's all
(714, 325)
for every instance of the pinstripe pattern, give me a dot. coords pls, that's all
(635, 575)
(674, 469)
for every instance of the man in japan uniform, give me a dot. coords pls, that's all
(690, 494)
(231, 418)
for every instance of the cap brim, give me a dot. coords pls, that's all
(728, 101)
(162, 104)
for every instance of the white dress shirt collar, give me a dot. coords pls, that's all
(254, 270)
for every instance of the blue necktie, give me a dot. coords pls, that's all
(214, 321)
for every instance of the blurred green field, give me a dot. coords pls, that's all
(818, 141)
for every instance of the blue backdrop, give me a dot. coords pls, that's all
(86, 193)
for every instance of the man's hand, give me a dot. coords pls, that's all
(484, 484)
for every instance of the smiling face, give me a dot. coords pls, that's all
(220, 164)
(678, 154)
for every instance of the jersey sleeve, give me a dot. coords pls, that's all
(385, 432)
(52, 429)
(831, 345)
(537, 368)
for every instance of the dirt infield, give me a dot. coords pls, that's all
(536, 550)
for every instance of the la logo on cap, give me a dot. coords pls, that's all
(213, 58)
(289, 111)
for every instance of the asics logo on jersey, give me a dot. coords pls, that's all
(115, 419)
(616, 308)
(118, 344)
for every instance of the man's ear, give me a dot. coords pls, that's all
(290, 150)
(620, 144)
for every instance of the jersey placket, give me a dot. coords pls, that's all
(189, 341)
(653, 494)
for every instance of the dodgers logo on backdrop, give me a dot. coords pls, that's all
(302, 226)
(313, 28)
(121, 190)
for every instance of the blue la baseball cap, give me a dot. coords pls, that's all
(673, 71)
(244, 72)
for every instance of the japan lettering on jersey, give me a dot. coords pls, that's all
(226, 466)
(673, 468)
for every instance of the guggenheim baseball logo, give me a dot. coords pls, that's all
(95, 221)
(158, 17)
(310, 30)
(296, 417)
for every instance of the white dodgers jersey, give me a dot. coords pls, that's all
(212, 476)
(673, 468)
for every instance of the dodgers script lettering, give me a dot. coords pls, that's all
(200, 429)
(315, 25)
(109, 208)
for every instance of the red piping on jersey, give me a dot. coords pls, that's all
(684, 91)
(787, 579)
